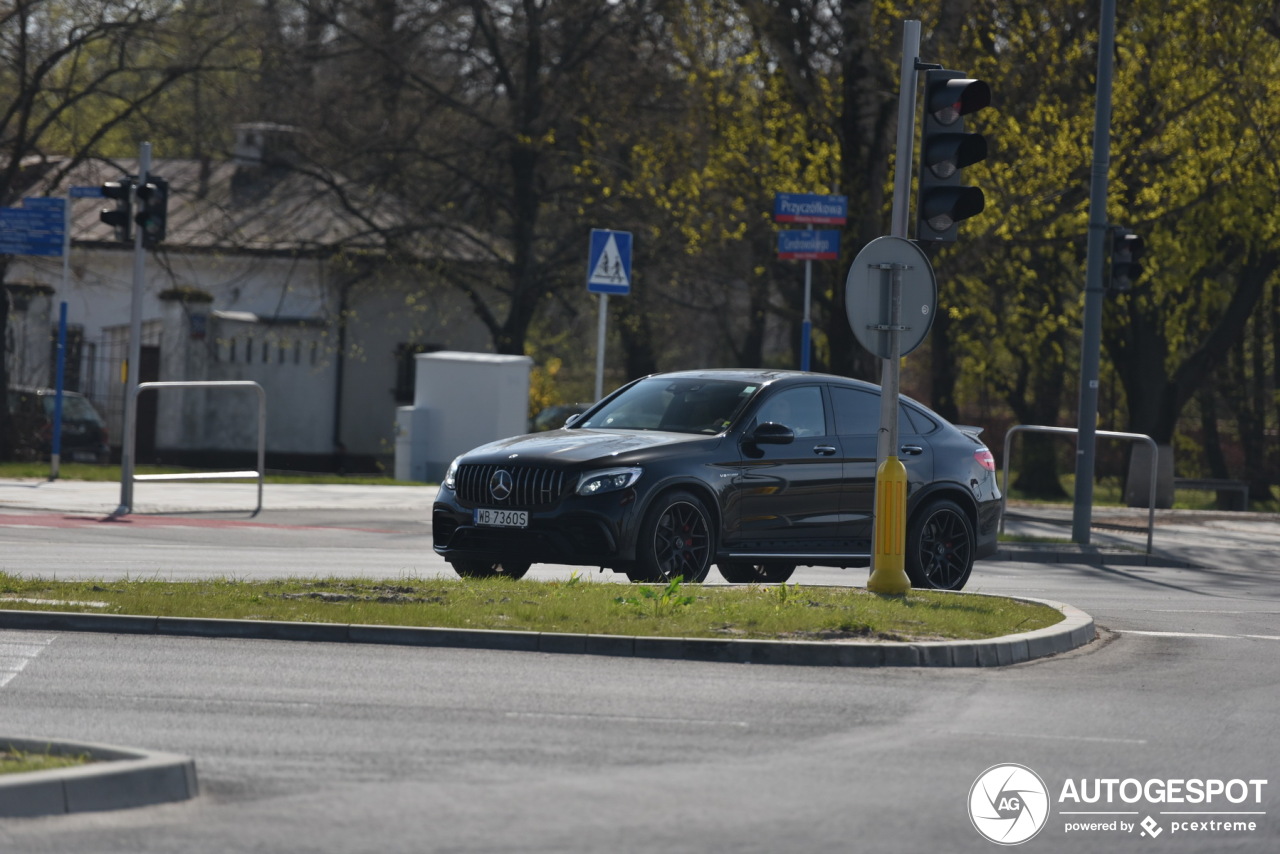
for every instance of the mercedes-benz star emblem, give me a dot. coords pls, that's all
(500, 485)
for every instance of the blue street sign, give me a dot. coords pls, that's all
(808, 245)
(36, 228)
(609, 262)
(810, 208)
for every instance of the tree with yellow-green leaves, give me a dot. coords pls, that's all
(1197, 172)
(697, 176)
(1193, 171)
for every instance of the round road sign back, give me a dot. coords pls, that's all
(867, 295)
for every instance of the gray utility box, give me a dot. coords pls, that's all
(460, 401)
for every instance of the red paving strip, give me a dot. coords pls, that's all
(62, 520)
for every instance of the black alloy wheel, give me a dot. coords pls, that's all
(744, 572)
(676, 541)
(940, 545)
(484, 569)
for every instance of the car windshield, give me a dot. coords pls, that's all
(74, 408)
(690, 405)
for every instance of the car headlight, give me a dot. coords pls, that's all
(451, 475)
(608, 480)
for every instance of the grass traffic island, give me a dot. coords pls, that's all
(573, 606)
(14, 761)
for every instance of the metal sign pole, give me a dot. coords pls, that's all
(906, 129)
(889, 538)
(806, 327)
(600, 343)
(1091, 344)
(55, 446)
(135, 345)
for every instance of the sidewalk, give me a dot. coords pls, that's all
(1118, 535)
(78, 496)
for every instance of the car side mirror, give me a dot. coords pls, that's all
(772, 433)
(573, 419)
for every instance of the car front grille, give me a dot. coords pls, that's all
(530, 486)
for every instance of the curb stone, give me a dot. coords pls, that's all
(1075, 630)
(118, 778)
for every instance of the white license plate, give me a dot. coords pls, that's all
(495, 518)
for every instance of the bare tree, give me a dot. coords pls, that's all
(78, 77)
(466, 112)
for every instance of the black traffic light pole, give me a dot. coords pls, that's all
(135, 348)
(1094, 291)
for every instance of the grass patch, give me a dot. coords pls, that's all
(572, 606)
(1031, 538)
(20, 761)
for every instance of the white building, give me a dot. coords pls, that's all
(263, 275)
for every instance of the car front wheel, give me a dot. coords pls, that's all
(676, 541)
(485, 569)
(940, 545)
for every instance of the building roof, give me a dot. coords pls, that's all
(256, 207)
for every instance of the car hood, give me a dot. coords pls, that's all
(567, 447)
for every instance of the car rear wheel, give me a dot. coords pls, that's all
(484, 569)
(676, 541)
(742, 572)
(940, 546)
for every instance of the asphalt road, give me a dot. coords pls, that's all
(346, 748)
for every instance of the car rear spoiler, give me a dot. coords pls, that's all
(975, 432)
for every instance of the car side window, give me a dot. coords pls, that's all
(858, 413)
(801, 409)
(920, 423)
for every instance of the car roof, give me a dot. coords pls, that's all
(763, 376)
(42, 390)
(772, 376)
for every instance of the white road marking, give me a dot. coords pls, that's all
(625, 719)
(1196, 635)
(15, 654)
(1093, 738)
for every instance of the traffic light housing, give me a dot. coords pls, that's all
(153, 209)
(121, 218)
(1127, 249)
(945, 149)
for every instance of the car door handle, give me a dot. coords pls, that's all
(912, 450)
(824, 450)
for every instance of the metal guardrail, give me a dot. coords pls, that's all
(1071, 431)
(126, 504)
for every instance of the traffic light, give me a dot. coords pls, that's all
(153, 209)
(121, 219)
(945, 149)
(1126, 249)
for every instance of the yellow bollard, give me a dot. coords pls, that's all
(889, 540)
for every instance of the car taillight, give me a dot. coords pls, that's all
(985, 459)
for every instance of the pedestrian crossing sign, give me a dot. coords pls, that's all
(609, 262)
